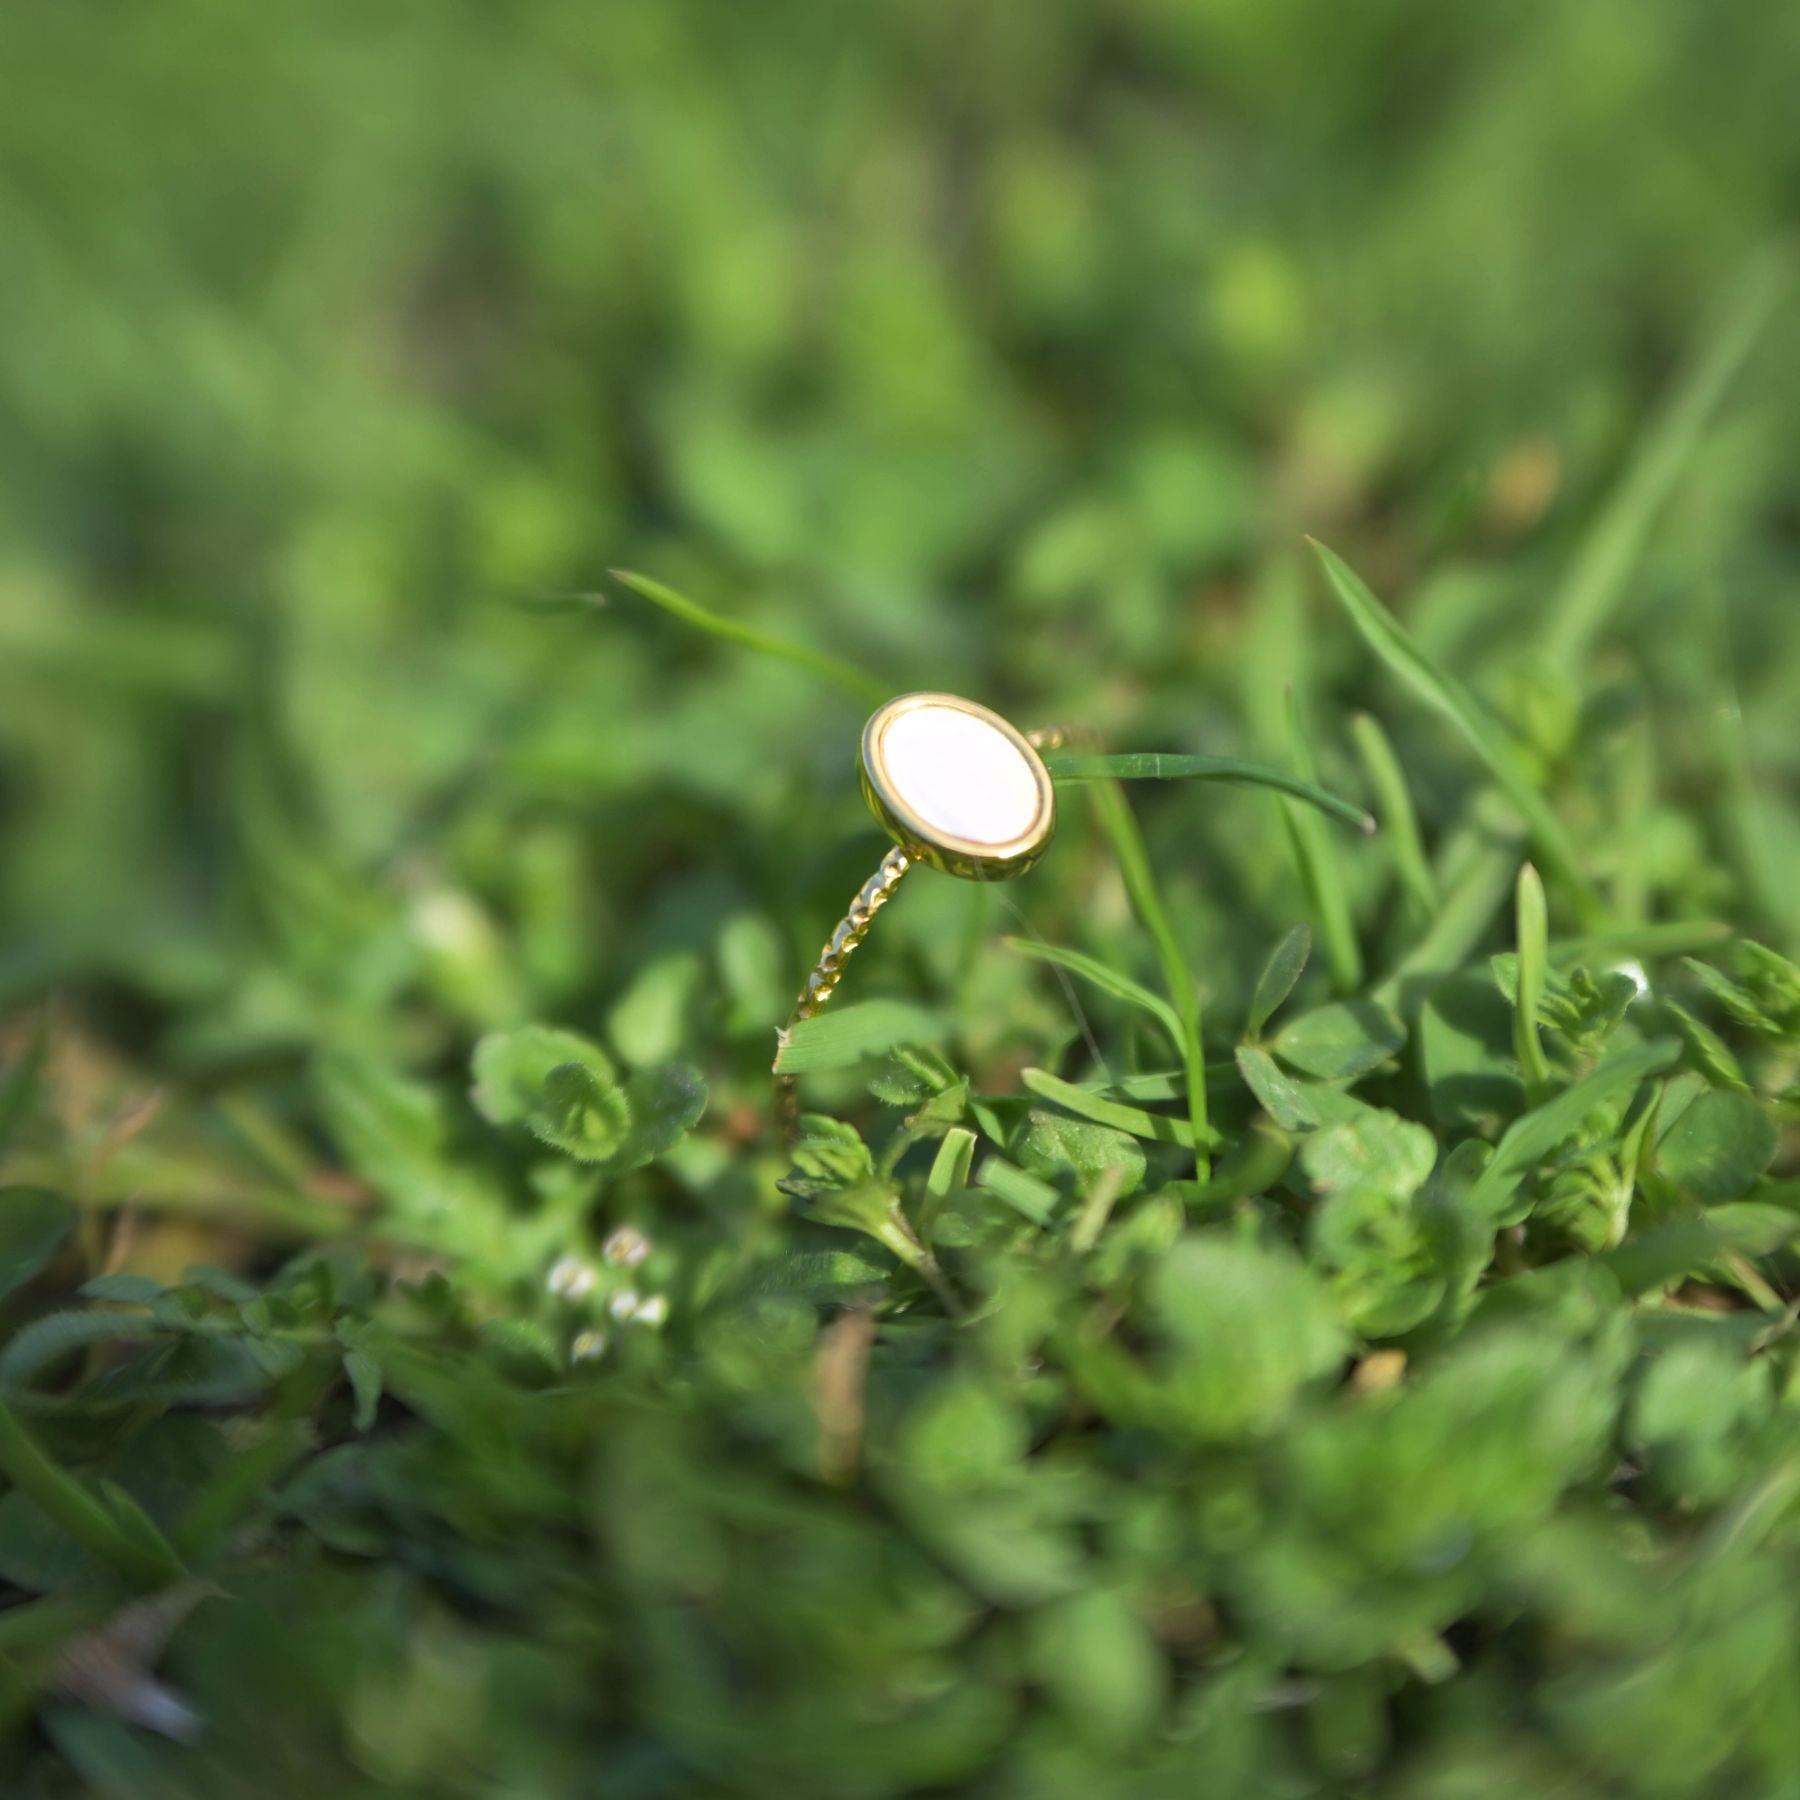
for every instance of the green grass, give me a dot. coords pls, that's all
(1256, 1307)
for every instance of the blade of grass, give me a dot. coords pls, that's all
(1320, 871)
(1533, 942)
(217, 1502)
(1597, 578)
(1158, 765)
(1468, 909)
(1108, 980)
(145, 1560)
(1096, 1209)
(1446, 695)
(1085, 1103)
(949, 1174)
(1024, 1193)
(1400, 822)
(1756, 848)
(1127, 841)
(852, 680)
(1632, 795)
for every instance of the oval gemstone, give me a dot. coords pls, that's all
(959, 775)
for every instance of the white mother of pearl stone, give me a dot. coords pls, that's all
(960, 776)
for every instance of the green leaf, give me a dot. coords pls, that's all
(1399, 820)
(1279, 973)
(663, 1105)
(364, 1374)
(1379, 1149)
(950, 1167)
(1738, 1001)
(1534, 940)
(511, 1068)
(1121, 827)
(1450, 698)
(126, 1288)
(948, 1177)
(124, 1541)
(1245, 1328)
(1677, 1248)
(148, 1547)
(823, 1277)
(389, 1128)
(1056, 1147)
(1342, 1041)
(581, 1114)
(852, 680)
(213, 1504)
(752, 962)
(222, 1284)
(842, 1036)
(911, 1075)
(1717, 1146)
(1100, 1664)
(34, 1223)
(1774, 979)
(565, 1090)
(1465, 1046)
(278, 1358)
(1386, 1273)
(1159, 766)
(1293, 1105)
(1709, 1051)
(48, 1340)
(1321, 870)
(961, 1482)
(1531, 1139)
(828, 1156)
(649, 1024)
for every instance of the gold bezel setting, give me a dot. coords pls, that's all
(968, 858)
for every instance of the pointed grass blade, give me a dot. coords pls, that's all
(1158, 765)
(854, 681)
(1448, 696)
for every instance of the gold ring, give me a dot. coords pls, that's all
(956, 787)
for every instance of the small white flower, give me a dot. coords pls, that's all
(653, 1310)
(571, 1279)
(587, 1346)
(625, 1247)
(624, 1305)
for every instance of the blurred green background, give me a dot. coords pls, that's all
(1005, 348)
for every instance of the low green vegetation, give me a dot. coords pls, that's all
(1262, 1306)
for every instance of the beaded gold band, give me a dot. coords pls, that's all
(958, 788)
